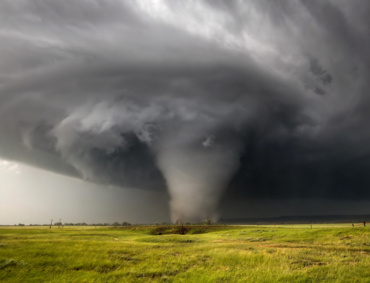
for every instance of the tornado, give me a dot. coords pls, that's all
(197, 170)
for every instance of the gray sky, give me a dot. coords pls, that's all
(171, 110)
(32, 196)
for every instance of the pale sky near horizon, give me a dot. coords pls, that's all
(30, 195)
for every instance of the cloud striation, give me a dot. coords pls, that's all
(268, 99)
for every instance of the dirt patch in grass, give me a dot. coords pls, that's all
(165, 230)
(256, 239)
(307, 262)
(101, 268)
(292, 246)
(9, 262)
(155, 274)
(184, 229)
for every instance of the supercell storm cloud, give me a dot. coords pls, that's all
(209, 99)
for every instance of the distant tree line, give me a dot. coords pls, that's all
(99, 224)
(125, 223)
(79, 224)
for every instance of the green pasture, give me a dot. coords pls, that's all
(270, 253)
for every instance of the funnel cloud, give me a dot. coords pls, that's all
(197, 172)
(211, 101)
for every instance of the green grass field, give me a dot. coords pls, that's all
(286, 253)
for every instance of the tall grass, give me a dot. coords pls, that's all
(203, 254)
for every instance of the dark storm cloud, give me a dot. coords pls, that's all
(122, 92)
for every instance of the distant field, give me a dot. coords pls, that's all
(270, 253)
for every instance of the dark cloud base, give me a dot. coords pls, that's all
(276, 92)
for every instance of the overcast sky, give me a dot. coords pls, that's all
(147, 111)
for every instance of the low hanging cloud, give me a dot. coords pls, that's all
(268, 99)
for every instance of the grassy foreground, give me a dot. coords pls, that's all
(204, 254)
